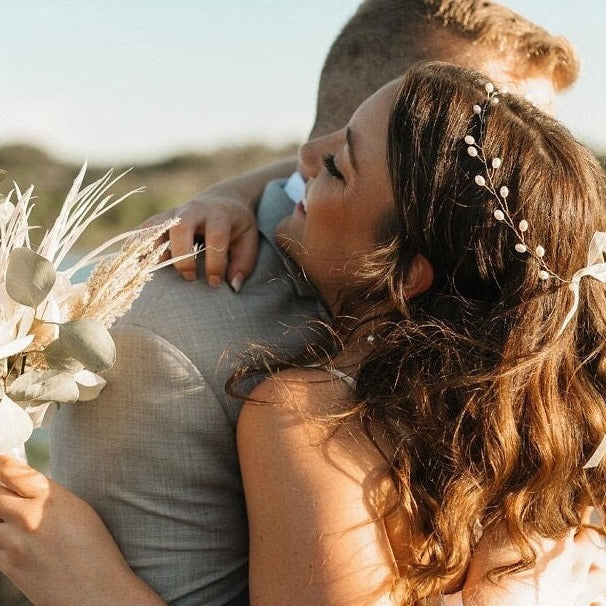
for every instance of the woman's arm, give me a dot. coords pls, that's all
(316, 537)
(55, 548)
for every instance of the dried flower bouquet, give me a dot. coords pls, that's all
(54, 335)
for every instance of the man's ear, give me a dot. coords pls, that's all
(420, 277)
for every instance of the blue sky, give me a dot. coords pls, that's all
(137, 80)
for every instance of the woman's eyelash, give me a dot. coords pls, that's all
(331, 167)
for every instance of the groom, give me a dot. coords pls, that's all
(156, 454)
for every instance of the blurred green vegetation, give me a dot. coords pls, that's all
(167, 183)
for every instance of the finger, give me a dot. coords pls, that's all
(243, 258)
(13, 507)
(22, 479)
(217, 236)
(181, 243)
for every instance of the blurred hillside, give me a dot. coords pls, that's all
(167, 183)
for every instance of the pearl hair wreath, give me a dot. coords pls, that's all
(596, 263)
(500, 194)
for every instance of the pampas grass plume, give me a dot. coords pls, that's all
(117, 281)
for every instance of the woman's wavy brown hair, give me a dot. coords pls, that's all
(489, 414)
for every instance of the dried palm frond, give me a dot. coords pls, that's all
(80, 209)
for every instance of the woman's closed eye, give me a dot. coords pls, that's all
(331, 167)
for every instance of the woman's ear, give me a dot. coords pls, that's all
(420, 277)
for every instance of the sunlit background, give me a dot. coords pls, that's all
(131, 81)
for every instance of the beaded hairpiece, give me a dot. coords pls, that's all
(501, 212)
(596, 265)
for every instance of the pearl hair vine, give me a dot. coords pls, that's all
(596, 263)
(500, 193)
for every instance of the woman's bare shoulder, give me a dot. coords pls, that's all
(290, 408)
(312, 391)
(315, 496)
(297, 414)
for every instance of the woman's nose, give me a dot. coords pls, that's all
(309, 159)
(311, 154)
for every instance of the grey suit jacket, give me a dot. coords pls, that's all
(155, 454)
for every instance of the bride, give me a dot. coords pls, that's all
(447, 450)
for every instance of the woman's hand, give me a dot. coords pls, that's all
(55, 548)
(224, 216)
(568, 572)
(229, 230)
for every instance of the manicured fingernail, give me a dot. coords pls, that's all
(214, 281)
(189, 275)
(237, 281)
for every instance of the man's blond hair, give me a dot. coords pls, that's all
(385, 37)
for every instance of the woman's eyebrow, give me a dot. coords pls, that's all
(350, 148)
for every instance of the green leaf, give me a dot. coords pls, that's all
(87, 340)
(29, 277)
(44, 386)
(59, 359)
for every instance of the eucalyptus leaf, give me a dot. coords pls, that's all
(87, 340)
(29, 277)
(58, 358)
(44, 386)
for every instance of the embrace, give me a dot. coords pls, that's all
(415, 367)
